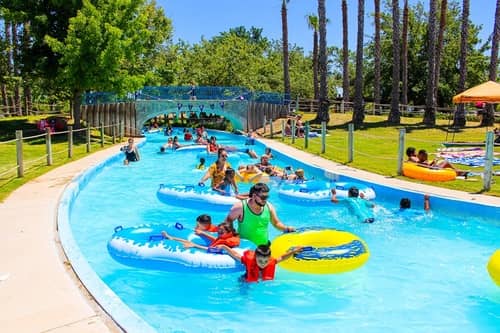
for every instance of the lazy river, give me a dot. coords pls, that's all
(426, 272)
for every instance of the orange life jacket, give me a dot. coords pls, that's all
(252, 270)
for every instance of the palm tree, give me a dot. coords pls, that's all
(489, 116)
(286, 65)
(459, 119)
(404, 56)
(430, 100)
(312, 22)
(394, 115)
(377, 55)
(439, 46)
(345, 54)
(324, 103)
(358, 115)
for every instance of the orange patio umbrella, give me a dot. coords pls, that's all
(488, 92)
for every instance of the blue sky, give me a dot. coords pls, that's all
(193, 19)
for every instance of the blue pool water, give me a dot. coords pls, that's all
(426, 273)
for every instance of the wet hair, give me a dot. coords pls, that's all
(202, 160)
(204, 219)
(228, 227)
(405, 203)
(410, 151)
(353, 192)
(258, 188)
(229, 172)
(263, 250)
(162, 149)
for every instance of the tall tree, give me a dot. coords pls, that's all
(377, 55)
(459, 120)
(430, 100)
(345, 54)
(312, 22)
(395, 115)
(440, 45)
(110, 46)
(404, 56)
(489, 116)
(359, 109)
(286, 55)
(324, 104)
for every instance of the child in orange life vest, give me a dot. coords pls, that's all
(204, 223)
(227, 236)
(259, 263)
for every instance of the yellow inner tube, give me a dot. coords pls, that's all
(494, 267)
(413, 170)
(332, 251)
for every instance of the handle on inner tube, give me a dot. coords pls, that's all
(179, 226)
(118, 228)
(156, 237)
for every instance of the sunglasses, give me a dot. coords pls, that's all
(223, 155)
(263, 197)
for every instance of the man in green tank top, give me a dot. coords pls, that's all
(254, 214)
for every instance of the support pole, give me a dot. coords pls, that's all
(102, 134)
(88, 139)
(488, 162)
(401, 150)
(70, 141)
(350, 143)
(48, 145)
(19, 153)
(306, 138)
(323, 137)
(271, 127)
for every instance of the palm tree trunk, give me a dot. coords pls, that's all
(404, 56)
(489, 116)
(430, 100)
(286, 73)
(16, 68)
(324, 104)
(315, 65)
(377, 55)
(459, 120)
(345, 54)
(359, 109)
(395, 115)
(439, 46)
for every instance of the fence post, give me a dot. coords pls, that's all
(102, 134)
(401, 150)
(306, 138)
(48, 145)
(19, 153)
(88, 139)
(293, 130)
(350, 143)
(342, 106)
(70, 141)
(271, 126)
(282, 130)
(488, 162)
(323, 137)
(264, 125)
(113, 133)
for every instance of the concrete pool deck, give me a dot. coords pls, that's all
(39, 291)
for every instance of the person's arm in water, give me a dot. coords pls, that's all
(235, 255)
(334, 196)
(289, 253)
(427, 203)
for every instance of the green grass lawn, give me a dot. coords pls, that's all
(34, 152)
(376, 146)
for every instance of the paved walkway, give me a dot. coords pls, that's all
(38, 290)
